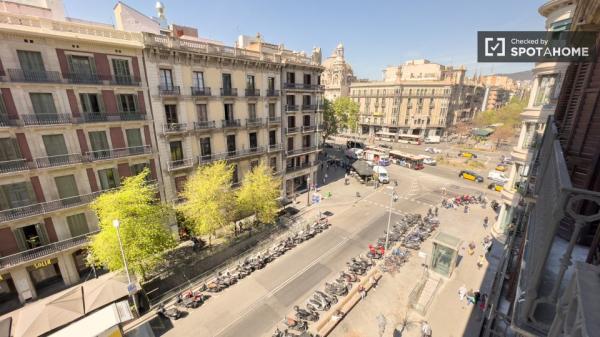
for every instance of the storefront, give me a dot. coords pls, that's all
(46, 276)
(9, 298)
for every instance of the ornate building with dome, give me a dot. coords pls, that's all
(337, 75)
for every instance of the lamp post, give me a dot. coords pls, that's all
(308, 190)
(117, 224)
(393, 198)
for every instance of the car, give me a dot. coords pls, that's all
(496, 187)
(497, 177)
(381, 174)
(328, 146)
(506, 160)
(470, 175)
(501, 167)
(385, 146)
(433, 150)
(467, 154)
(429, 161)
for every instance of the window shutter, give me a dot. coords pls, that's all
(41, 230)
(20, 238)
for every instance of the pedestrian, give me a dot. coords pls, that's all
(483, 302)
(429, 212)
(462, 292)
(425, 329)
(321, 166)
(362, 292)
(480, 261)
(471, 248)
(346, 179)
(435, 210)
(466, 209)
(485, 222)
(488, 247)
(476, 297)
(373, 282)
(470, 296)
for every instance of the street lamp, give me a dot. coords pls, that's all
(393, 198)
(117, 224)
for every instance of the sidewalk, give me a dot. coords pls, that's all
(447, 316)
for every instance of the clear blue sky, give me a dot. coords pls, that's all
(375, 33)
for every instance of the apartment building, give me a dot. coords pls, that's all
(543, 98)
(74, 121)
(337, 76)
(495, 98)
(417, 98)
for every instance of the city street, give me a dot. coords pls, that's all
(255, 305)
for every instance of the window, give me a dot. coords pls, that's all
(271, 110)
(90, 104)
(176, 148)
(205, 150)
(138, 168)
(99, 144)
(108, 179)
(306, 120)
(134, 140)
(253, 140)
(253, 164)
(307, 79)
(3, 111)
(272, 137)
(235, 178)
(271, 84)
(291, 122)
(226, 82)
(31, 63)
(306, 141)
(250, 82)
(67, 189)
(166, 79)
(290, 77)
(9, 150)
(251, 111)
(231, 144)
(290, 144)
(77, 224)
(31, 236)
(127, 103)
(291, 100)
(306, 100)
(171, 114)
(198, 79)
(273, 163)
(56, 149)
(16, 195)
(228, 107)
(43, 105)
(121, 71)
(202, 113)
(546, 92)
(83, 67)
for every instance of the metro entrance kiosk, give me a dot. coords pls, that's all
(444, 255)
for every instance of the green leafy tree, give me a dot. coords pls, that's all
(346, 113)
(505, 132)
(508, 115)
(209, 200)
(143, 229)
(258, 194)
(330, 122)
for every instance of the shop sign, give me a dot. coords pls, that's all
(42, 264)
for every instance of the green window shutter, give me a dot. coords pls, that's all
(41, 230)
(77, 225)
(20, 238)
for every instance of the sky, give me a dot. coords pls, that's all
(374, 33)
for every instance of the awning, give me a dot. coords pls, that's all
(482, 132)
(96, 323)
(5, 326)
(362, 168)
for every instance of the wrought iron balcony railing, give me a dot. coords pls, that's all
(274, 120)
(84, 78)
(46, 119)
(118, 153)
(60, 160)
(252, 92)
(300, 167)
(180, 164)
(293, 130)
(272, 93)
(174, 128)
(197, 91)
(13, 260)
(5, 121)
(302, 86)
(169, 90)
(309, 107)
(275, 147)
(254, 122)
(230, 123)
(229, 92)
(303, 150)
(125, 80)
(98, 117)
(291, 108)
(204, 125)
(21, 75)
(231, 155)
(14, 165)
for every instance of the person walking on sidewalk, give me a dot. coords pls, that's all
(485, 222)
(480, 261)
(435, 211)
(425, 329)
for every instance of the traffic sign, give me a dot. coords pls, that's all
(131, 288)
(316, 198)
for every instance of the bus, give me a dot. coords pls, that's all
(409, 139)
(412, 161)
(386, 136)
(376, 157)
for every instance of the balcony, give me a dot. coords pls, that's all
(125, 80)
(20, 75)
(293, 130)
(230, 124)
(84, 78)
(254, 122)
(309, 128)
(274, 120)
(169, 90)
(5, 121)
(46, 119)
(231, 155)
(37, 253)
(118, 153)
(174, 128)
(274, 148)
(302, 150)
(204, 126)
(46, 207)
(309, 107)
(229, 92)
(300, 167)
(60, 160)
(14, 166)
(98, 117)
(200, 92)
(252, 92)
(180, 164)
(291, 108)
(272, 93)
(302, 86)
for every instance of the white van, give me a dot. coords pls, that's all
(498, 177)
(381, 174)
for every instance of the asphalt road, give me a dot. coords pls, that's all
(258, 303)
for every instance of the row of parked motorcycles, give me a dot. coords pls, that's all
(225, 279)
(323, 299)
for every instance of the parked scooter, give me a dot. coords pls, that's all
(295, 324)
(171, 313)
(306, 315)
(331, 299)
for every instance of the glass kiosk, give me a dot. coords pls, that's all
(444, 254)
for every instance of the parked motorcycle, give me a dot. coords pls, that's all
(306, 315)
(171, 313)
(295, 324)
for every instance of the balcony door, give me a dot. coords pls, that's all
(43, 107)
(226, 82)
(306, 141)
(290, 77)
(228, 112)
(253, 140)
(231, 144)
(99, 144)
(67, 189)
(31, 236)
(176, 151)
(78, 225)
(16, 195)
(271, 84)
(250, 82)
(121, 71)
(171, 115)
(56, 149)
(134, 141)
(272, 137)
(109, 178)
(306, 120)
(198, 79)
(307, 79)
(9, 154)
(205, 150)
(82, 68)
(32, 65)
(202, 114)
(92, 107)
(166, 79)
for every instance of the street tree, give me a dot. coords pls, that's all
(144, 234)
(502, 133)
(209, 200)
(258, 194)
(330, 122)
(346, 113)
